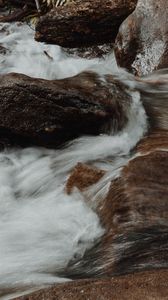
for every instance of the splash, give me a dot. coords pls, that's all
(25, 55)
(42, 228)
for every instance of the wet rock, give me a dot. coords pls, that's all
(83, 176)
(6, 143)
(157, 140)
(135, 211)
(19, 3)
(84, 23)
(3, 50)
(141, 286)
(2, 3)
(48, 113)
(99, 51)
(154, 95)
(16, 15)
(134, 214)
(142, 42)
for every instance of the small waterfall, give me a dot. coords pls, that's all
(42, 228)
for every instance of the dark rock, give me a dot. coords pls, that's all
(21, 3)
(43, 112)
(2, 3)
(3, 50)
(85, 23)
(142, 43)
(16, 15)
(99, 51)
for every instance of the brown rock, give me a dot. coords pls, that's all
(43, 112)
(157, 140)
(84, 23)
(16, 15)
(141, 286)
(142, 42)
(83, 176)
(154, 95)
(134, 214)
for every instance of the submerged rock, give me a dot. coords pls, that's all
(3, 50)
(142, 43)
(84, 23)
(48, 113)
(83, 176)
(99, 51)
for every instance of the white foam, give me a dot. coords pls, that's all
(27, 56)
(42, 228)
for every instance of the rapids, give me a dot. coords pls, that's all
(42, 228)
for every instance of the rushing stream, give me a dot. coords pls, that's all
(42, 228)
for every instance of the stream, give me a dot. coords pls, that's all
(41, 227)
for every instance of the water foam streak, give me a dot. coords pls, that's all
(42, 228)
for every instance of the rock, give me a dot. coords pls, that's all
(141, 286)
(99, 51)
(142, 42)
(3, 50)
(135, 211)
(16, 15)
(48, 113)
(19, 3)
(157, 140)
(2, 3)
(83, 176)
(154, 95)
(85, 23)
(134, 214)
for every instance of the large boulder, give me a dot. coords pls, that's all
(48, 113)
(142, 41)
(84, 23)
(134, 214)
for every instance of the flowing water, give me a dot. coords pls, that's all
(42, 228)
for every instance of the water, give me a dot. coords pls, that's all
(27, 56)
(42, 228)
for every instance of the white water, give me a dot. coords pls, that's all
(27, 56)
(41, 228)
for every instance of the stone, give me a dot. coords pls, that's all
(142, 42)
(82, 177)
(48, 113)
(99, 51)
(134, 214)
(2, 3)
(84, 23)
